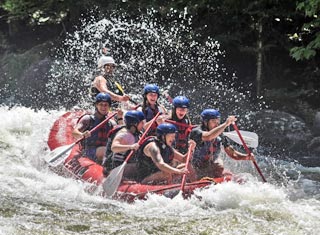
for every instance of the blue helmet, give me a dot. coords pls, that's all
(208, 114)
(133, 117)
(166, 128)
(151, 88)
(181, 102)
(103, 97)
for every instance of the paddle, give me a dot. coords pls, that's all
(58, 155)
(167, 96)
(184, 177)
(122, 92)
(180, 124)
(250, 138)
(248, 151)
(112, 182)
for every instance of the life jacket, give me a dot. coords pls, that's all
(145, 164)
(206, 150)
(110, 85)
(99, 137)
(149, 114)
(111, 159)
(182, 138)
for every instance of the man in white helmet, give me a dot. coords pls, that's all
(102, 83)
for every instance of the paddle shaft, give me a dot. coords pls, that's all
(180, 124)
(142, 137)
(57, 156)
(168, 97)
(122, 92)
(248, 151)
(113, 180)
(184, 177)
(98, 126)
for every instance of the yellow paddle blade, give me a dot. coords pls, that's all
(119, 87)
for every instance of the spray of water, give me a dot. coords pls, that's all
(148, 50)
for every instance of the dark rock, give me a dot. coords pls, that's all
(316, 125)
(276, 128)
(32, 84)
(314, 145)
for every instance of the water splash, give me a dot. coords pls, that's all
(148, 49)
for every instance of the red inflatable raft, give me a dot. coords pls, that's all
(86, 170)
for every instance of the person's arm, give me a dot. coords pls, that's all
(183, 157)
(101, 85)
(80, 130)
(122, 143)
(152, 151)
(215, 132)
(120, 117)
(231, 152)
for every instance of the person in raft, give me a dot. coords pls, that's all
(156, 155)
(94, 145)
(105, 82)
(122, 141)
(179, 115)
(150, 107)
(209, 139)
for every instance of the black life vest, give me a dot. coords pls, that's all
(110, 85)
(145, 164)
(111, 159)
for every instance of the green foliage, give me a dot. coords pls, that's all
(309, 36)
(41, 12)
(300, 53)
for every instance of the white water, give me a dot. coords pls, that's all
(34, 200)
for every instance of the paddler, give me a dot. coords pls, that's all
(209, 140)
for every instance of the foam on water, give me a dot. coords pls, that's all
(36, 199)
(33, 200)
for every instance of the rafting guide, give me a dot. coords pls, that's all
(105, 82)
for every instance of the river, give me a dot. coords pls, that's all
(34, 200)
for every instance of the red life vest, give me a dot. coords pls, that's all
(99, 137)
(182, 135)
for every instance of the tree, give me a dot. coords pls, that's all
(309, 35)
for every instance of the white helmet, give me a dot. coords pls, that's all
(103, 60)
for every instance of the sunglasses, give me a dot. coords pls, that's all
(110, 65)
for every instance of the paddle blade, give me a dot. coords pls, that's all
(250, 138)
(112, 182)
(59, 155)
(119, 87)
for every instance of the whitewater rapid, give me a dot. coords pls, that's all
(34, 200)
